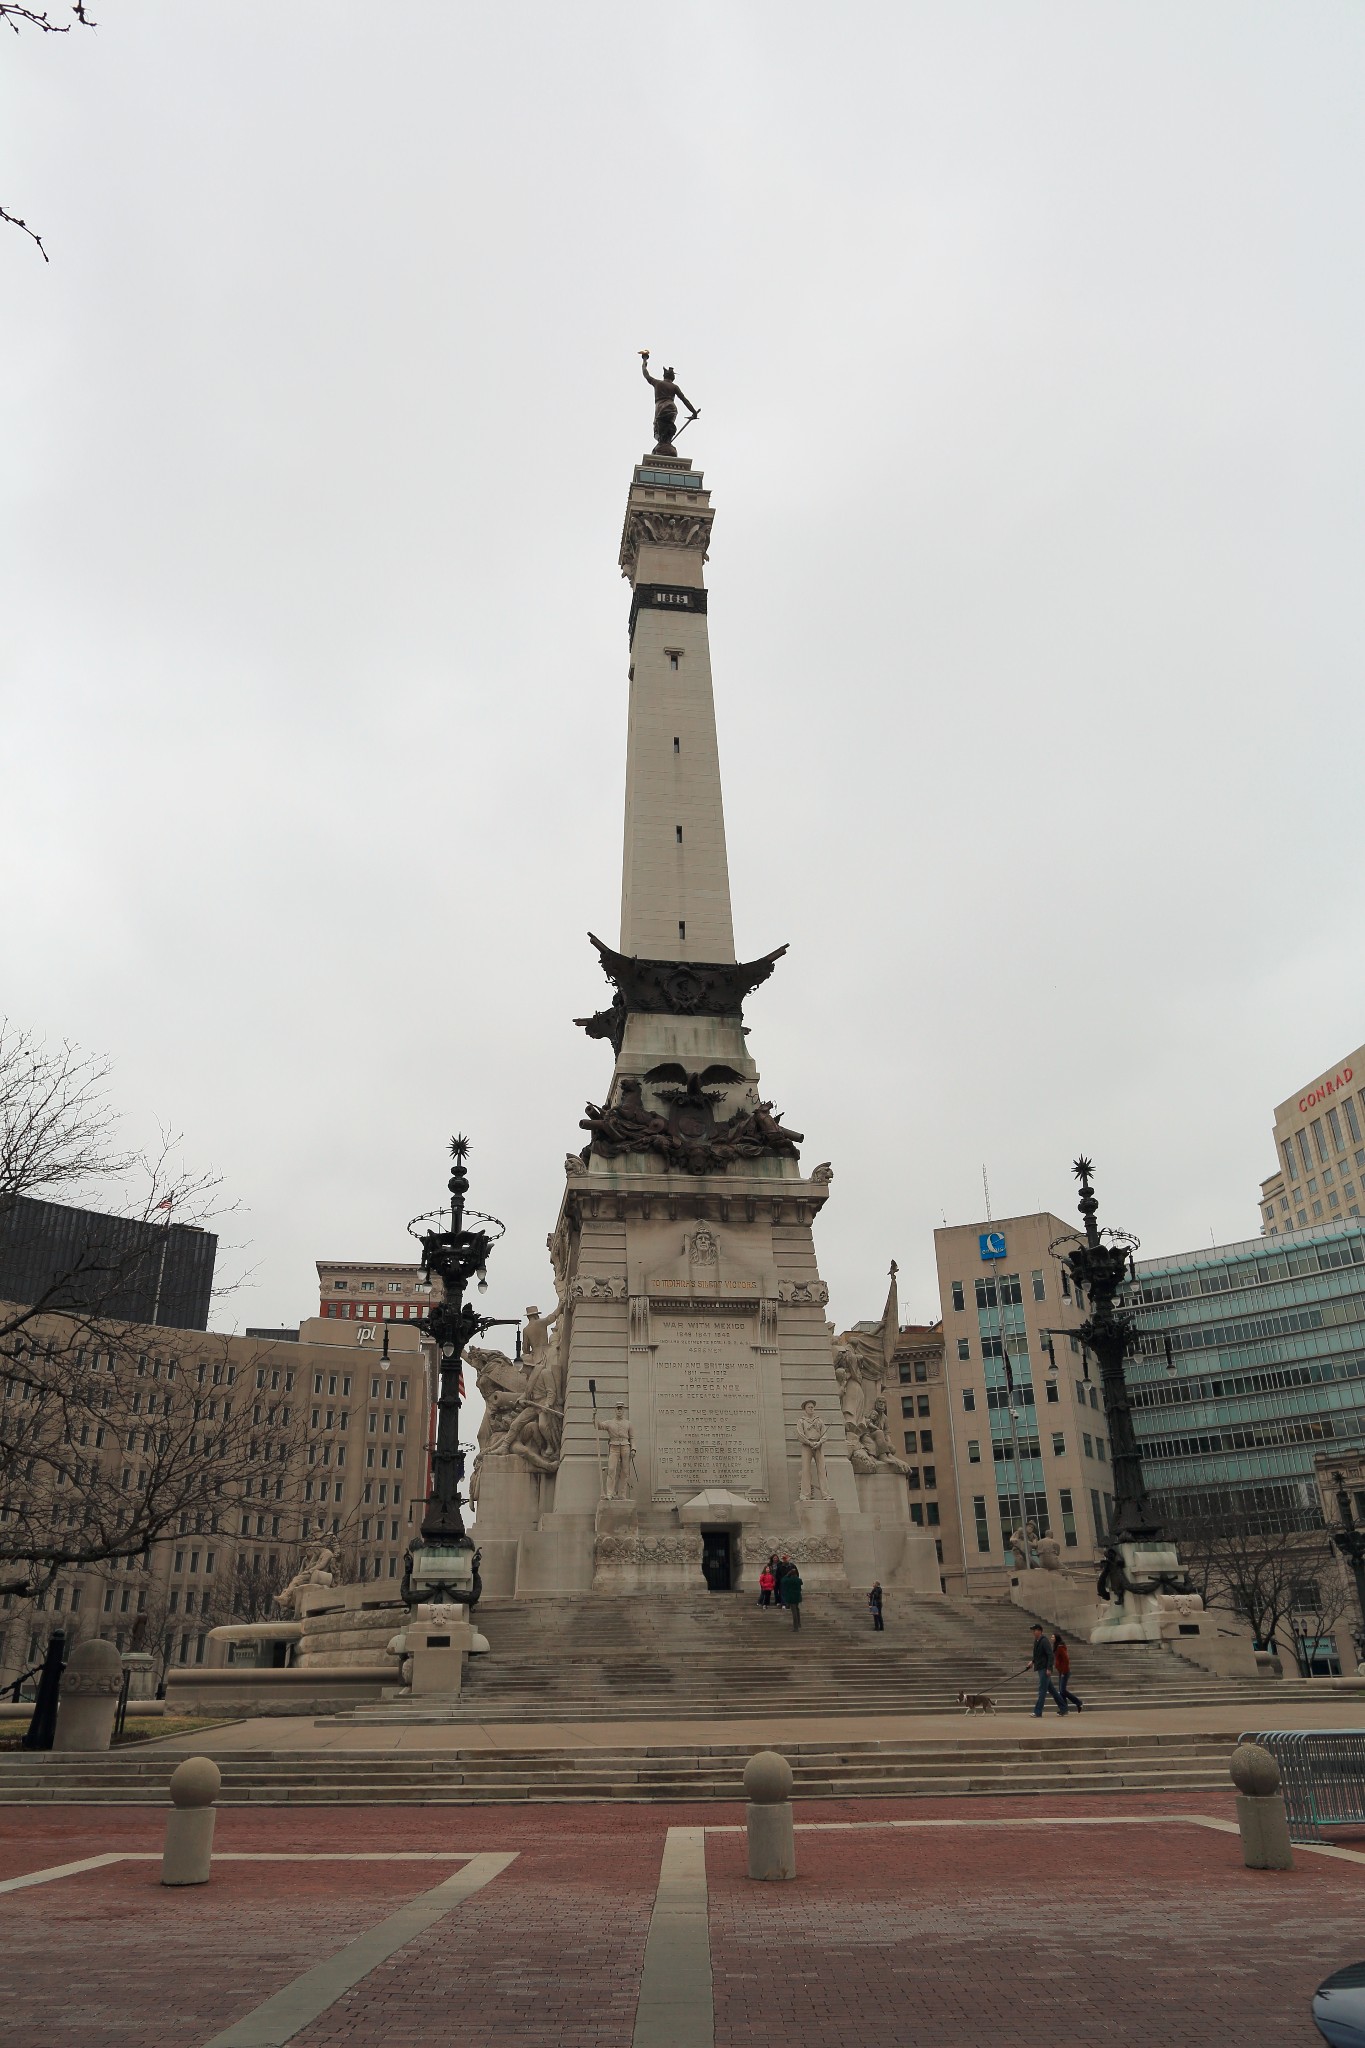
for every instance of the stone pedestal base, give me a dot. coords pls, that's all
(85, 1721)
(882, 1543)
(437, 1650)
(1265, 1832)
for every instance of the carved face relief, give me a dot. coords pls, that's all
(704, 1247)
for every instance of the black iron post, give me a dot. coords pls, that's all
(1100, 1268)
(1349, 1540)
(442, 1562)
(42, 1726)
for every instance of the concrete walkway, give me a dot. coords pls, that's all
(301, 1734)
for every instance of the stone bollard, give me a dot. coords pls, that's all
(1260, 1809)
(188, 1855)
(89, 1697)
(772, 1836)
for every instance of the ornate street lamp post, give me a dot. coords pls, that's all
(1349, 1540)
(442, 1562)
(1099, 1264)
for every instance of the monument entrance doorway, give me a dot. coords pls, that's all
(717, 1559)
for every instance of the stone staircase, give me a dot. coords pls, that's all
(1057, 1763)
(699, 1656)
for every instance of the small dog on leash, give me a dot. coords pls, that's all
(976, 1703)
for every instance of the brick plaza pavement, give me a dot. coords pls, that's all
(1137, 1935)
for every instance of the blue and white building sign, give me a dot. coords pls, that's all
(992, 1244)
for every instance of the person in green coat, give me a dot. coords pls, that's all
(791, 1593)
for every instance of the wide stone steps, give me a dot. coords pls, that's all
(694, 1656)
(1062, 1764)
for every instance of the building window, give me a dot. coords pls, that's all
(926, 1441)
(959, 1298)
(367, 1287)
(910, 1440)
(921, 1371)
(930, 1475)
(1068, 1519)
(1099, 1448)
(1039, 1287)
(964, 1347)
(922, 1403)
(1052, 1392)
(931, 1510)
(1304, 1153)
(1087, 1445)
(973, 1450)
(1352, 1123)
(1058, 1444)
(1100, 1523)
(912, 1478)
(969, 1400)
(1319, 1141)
(917, 1514)
(1317, 1210)
(1334, 1126)
(983, 1527)
(908, 1406)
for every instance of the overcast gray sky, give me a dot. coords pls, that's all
(1028, 339)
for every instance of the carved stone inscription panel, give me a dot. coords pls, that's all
(708, 1427)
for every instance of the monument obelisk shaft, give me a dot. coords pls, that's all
(675, 879)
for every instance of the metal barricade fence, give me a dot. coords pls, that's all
(1322, 1777)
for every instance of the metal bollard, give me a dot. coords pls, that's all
(772, 1835)
(188, 1855)
(1260, 1808)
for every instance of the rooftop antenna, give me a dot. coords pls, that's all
(986, 1189)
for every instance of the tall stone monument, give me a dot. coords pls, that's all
(688, 1300)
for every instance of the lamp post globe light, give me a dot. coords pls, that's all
(442, 1562)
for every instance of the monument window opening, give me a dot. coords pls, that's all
(673, 657)
(677, 745)
(682, 927)
(677, 833)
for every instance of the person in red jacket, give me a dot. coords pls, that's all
(1061, 1664)
(766, 1583)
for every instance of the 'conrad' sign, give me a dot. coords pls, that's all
(1326, 1088)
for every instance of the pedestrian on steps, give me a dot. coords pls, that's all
(874, 1601)
(1061, 1664)
(780, 1567)
(791, 1591)
(766, 1585)
(1042, 1665)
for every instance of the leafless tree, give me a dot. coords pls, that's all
(58, 1138)
(18, 18)
(111, 1432)
(1282, 1582)
(113, 1436)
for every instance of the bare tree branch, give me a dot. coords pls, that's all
(18, 18)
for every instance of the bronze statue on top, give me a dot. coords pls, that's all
(666, 393)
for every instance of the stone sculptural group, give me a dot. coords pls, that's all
(689, 1139)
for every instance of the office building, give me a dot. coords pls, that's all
(354, 1290)
(343, 1410)
(1026, 1423)
(1266, 1367)
(1320, 1152)
(136, 1272)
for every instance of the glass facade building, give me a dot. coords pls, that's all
(1252, 1359)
